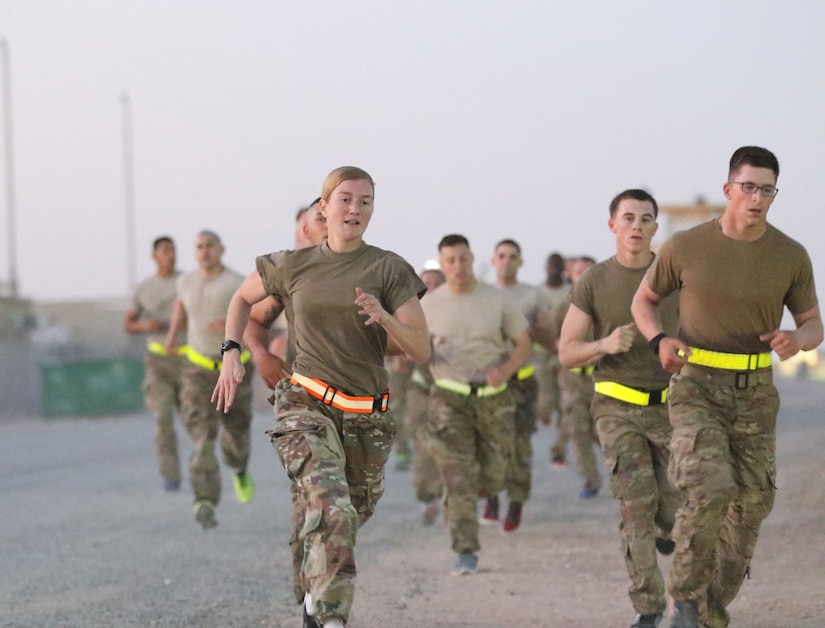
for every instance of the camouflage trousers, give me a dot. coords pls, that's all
(635, 444)
(335, 461)
(203, 422)
(426, 482)
(576, 421)
(161, 393)
(723, 456)
(549, 397)
(518, 477)
(470, 439)
(399, 383)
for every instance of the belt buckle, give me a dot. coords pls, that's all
(380, 403)
(474, 388)
(328, 398)
(742, 381)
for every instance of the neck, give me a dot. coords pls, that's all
(463, 286)
(165, 272)
(506, 282)
(340, 245)
(630, 259)
(214, 271)
(737, 230)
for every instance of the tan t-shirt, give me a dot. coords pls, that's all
(154, 298)
(471, 331)
(207, 300)
(531, 300)
(331, 340)
(604, 292)
(732, 291)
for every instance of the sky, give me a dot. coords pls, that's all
(517, 119)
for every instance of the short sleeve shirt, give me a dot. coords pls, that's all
(332, 341)
(206, 299)
(732, 291)
(154, 298)
(471, 331)
(605, 292)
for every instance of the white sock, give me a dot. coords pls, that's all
(333, 623)
(308, 604)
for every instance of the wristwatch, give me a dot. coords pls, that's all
(228, 345)
(654, 342)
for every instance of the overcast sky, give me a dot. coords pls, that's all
(492, 119)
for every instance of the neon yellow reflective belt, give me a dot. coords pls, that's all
(159, 349)
(208, 363)
(631, 395)
(525, 371)
(731, 361)
(582, 370)
(467, 390)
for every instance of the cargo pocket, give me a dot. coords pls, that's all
(315, 556)
(290, 440)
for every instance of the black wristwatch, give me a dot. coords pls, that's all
(654, 342)
(228, 345)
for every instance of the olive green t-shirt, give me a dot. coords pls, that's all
(332, 343)
(605, 292)
(732, 291)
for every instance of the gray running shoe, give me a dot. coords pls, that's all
(205, 514)
(465, 565)
(686, 615)
(647, 621)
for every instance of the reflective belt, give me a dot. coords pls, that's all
(208, 363)
(525, 372)
(158, 349)
(337, 399)
(468, 390)
(632, 395)
(582, 370)
(731, 361)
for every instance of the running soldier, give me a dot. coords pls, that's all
(203, 297)
(351, 303)
(735, 276)
(518, 482)
(630, 405)
(480, 341)
(150, 314)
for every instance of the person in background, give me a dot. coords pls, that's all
(202, 300)
(479, 341)
(351, 304)
(532, 301)
(723, 404)
(555, 289)
(630, 401)
(150, 313)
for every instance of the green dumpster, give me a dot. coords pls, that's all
(91, 387)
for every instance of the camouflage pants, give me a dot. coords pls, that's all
(547, 376)
(399, 383)
(425, 472)
(161, 394)
(470, 439)
(517, 481)
(576, 396)
(723, 456)
(635, 443)
(203, 421)
(336, 462)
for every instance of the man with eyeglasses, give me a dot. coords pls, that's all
(735, 275)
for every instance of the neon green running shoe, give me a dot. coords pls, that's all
(244, 488)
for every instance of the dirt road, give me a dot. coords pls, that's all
(88, 539)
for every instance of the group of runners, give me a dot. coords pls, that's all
(679, 398)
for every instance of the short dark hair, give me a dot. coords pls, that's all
(453, 239)
(512, 243)
(755, 156)
(161, 240)
(636, 195)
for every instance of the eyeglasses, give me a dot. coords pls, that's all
(752, 188)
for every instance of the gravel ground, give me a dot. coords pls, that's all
(88, 539)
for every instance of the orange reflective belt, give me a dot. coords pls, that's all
(337, 399)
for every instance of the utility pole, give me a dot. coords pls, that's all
(129, 192)
(9, 159)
